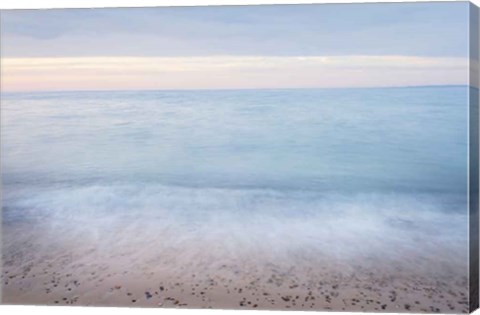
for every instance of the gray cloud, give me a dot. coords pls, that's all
(422, 29)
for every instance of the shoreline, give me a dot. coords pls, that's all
(71, 277)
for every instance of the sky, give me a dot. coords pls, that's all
(228, 47)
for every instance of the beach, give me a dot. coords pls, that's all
(78, 277)
(272, 261)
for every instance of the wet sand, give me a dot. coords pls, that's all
(86, 275)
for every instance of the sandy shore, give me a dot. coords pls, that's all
(85, 275)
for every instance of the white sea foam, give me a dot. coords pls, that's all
(221, 225)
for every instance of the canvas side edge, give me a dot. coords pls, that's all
(1, 184)
(473, 156)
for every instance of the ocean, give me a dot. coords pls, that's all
(196, 180)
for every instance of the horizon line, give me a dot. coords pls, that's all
(237, 89)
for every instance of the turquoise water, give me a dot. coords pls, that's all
(407, 139)
(323, 169)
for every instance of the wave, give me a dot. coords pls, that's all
(212, 224)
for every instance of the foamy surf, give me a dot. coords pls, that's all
(244, 222)
(176, 232)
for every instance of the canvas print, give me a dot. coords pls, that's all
(282, 157)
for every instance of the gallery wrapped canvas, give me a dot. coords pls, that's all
(283, 157)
